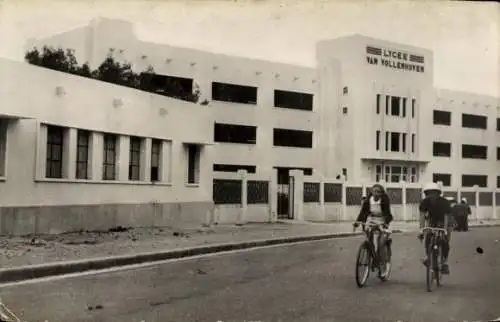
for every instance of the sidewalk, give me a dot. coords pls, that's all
(26, 251)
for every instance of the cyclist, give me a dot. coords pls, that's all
(377, 208)
(436, 210)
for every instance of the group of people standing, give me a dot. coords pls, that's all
(435, 211)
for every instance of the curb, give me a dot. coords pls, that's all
(17, 274)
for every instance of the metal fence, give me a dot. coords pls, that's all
(311, 191)
(227, 191)
(257, 192)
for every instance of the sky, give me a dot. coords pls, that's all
(465, 36)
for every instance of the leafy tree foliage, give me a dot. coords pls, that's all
(111, 71)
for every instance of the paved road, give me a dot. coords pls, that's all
(306, 282)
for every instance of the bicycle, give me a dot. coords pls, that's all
(369, 254)
(434, 254)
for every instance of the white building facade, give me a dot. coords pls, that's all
(367, 112)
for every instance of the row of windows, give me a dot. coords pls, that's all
(443, 149)
(395, 105)
(395, 141)
(182, 88)
(231, 133)
(468, 180)
(396, 173)
(56, 155)
(470, 121)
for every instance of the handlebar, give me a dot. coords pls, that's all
(372, 224)
(434, 229)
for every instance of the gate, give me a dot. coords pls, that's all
(285, 194)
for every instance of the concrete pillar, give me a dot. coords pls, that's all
(123, 157)
(146, 160)
(404, 208)
(41, 151)
(297, 177)
(69, 154)
(322, 198)
(476, 192)
(242, 214)
(273, 196)
(96, 155)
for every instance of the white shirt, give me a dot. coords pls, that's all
(375, 207)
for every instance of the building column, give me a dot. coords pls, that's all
(166, 162)
(69, 154)
(96, 155)
(146, 160)
(123, 157)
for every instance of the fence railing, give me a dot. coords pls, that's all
(250, 197)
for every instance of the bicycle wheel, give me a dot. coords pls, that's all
(384, 273)
(438, 253)
(363, 262)
(430, 267)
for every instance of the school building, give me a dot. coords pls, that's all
(81, 153)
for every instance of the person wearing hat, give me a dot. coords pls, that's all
(462, 211)
(436, 211)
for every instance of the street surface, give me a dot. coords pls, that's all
(305, 282)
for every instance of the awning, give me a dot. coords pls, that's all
(195, 142)
(14, 117)
(398, 159)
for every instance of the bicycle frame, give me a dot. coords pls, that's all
(372, 232)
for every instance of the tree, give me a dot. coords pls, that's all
(110, 71)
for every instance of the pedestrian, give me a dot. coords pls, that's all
(463, 212)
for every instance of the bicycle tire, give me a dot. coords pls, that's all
(438, 254)
(430, 266)
(362, 279)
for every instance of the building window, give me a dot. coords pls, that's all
(193, 169)
(345, 91)
(344, 110)
(224, 92)
(404, 106)
(155, 159)
(498, 181)
(470, 180)
(292, 138)
(441, 149)
(234, 168)
(395, 107)
(413, 107)
(377, 140)
(403, 142)
(82, 154)
(231, 133)
(498, 124)
(413, 143)
(474, 121)
(445, 178)
(378, 173)
(387, 134)
(176, 87)
(498, 153)
(134, 165)
(293, 100)
(378, 103)
(474, 151)
(3, 145)
(55, 140)
(395, 137)
(441, 117)
(110, 156)
(396, 173)
(387, 97)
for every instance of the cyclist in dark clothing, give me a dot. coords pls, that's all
(436, 210)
